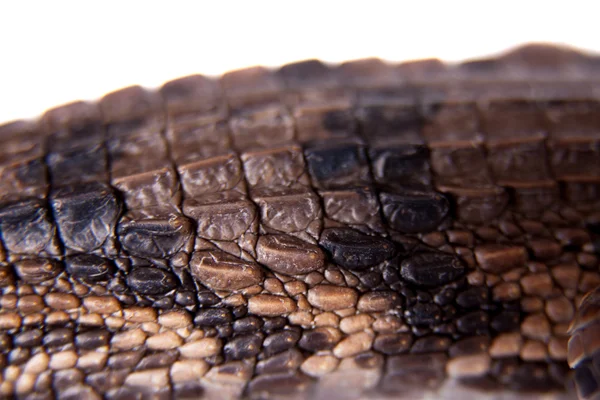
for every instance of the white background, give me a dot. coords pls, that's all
(52, 52)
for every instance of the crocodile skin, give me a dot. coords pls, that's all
(366, 230)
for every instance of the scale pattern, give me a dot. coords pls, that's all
(366, 230)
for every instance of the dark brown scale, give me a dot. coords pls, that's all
(128, 359)
(423, 314)
(243, 347)
(192, 390)
(506, 321)
(371, 279)
(207, 299)
(213, 317)
(401, 166)
(532, 377)
(86, 215)
(390, 274)
(473, 323)
(287, 361)
(445, 296)
(26, 227)
(75, 142)
(59, 337)
(224, 331)
(151, 281)
(393, 343)
(157, 360)
(240, 312)
(431, 269)
(355, 251)
(92, 339)
(317, 339)
(280, 341)
(469, 345)
(389, 115)
(273, 324)
(23, 171)
(105, 380)
(473, 297)
(155, 238)
(30, 338)
(413, 211)
(247, 325)
(342, 165)
(90, 268)
(185, 298)
(338, 121)
(431, 344)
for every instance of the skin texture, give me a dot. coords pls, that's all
(357, 231)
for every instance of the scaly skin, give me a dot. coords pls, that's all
(360, 231)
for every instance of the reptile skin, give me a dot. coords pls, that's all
(366, 230)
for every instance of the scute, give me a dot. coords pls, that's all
(414, 211)
(338, 165)
(157, 238)
(423, 314)
(90, 268)
(86, 215)
(37, 270)
(354, 250)
(288, 255)
(151, 281)
(402, 166)
(25, 226)
(431, 269)
(221, 271)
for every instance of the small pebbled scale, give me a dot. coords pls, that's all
(365, 230)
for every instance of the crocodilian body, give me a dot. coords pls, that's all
(366, 230)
